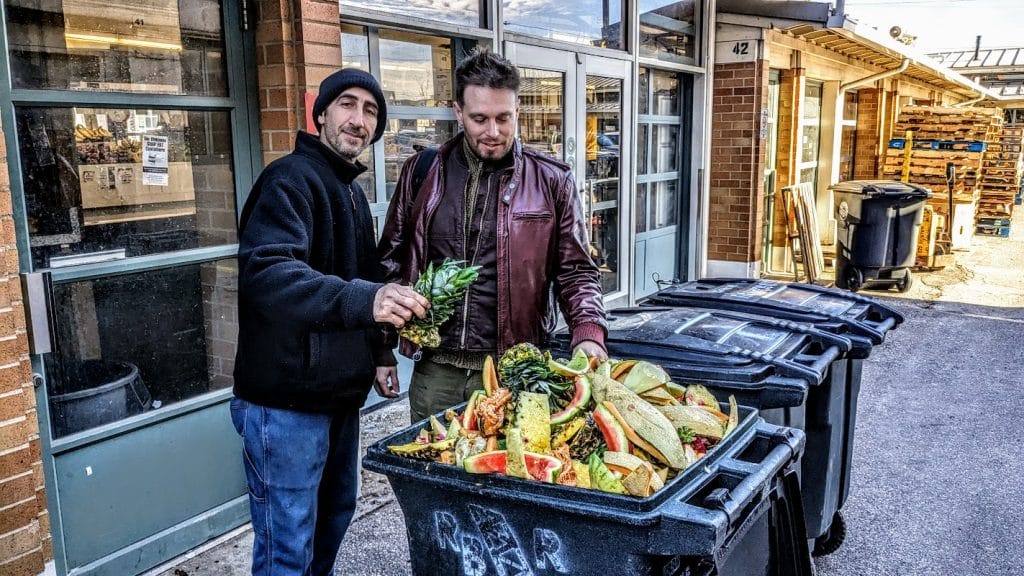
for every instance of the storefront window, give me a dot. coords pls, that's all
(603, 182)
(810, 132)
(590, 22)
(416, 69)
(658, 153)
(665, 93)
(136, 343)
(405, 137)
(541, 109)
(355, 47)
(668, 31)
(466, 13)
(158, 46)
(848, 143)
(112, 183)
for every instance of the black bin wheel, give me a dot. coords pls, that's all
(832, 539)
(905, 283)
(853, 278)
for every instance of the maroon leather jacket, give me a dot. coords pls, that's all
(542, 242)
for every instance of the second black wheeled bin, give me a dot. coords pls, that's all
(735, 513)
(766, 363)
(864, 321)
(879, 222)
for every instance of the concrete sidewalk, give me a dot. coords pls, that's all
(936, 480)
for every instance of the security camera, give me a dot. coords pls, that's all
(895, 31)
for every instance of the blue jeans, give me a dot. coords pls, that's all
(302, 470)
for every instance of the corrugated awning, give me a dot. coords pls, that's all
(881, 52)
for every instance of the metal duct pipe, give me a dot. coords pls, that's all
(869, 79)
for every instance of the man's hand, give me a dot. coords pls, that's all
(386, 381)
(394, 304)
(592, 349)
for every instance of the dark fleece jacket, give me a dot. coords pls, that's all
(307, 276)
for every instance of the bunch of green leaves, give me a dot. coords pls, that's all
(444, 286)
(524, 368)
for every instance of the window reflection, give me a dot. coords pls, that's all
(541, 106)
(110, 183)
(135, 343)
(668, 31)
(591, 22)
(664, 200)
(666, 93)
(604, 124)
(355, 48)
(416, 69)
(465, 13)
(405, 137)
(158, 46)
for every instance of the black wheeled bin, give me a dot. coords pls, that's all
(864, 321)
(879, 222)
(735, 513)
(771, 364)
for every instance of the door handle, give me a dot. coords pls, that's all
(38, 290)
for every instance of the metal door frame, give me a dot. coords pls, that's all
(576, 66)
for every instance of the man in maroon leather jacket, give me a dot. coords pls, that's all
(489, 201)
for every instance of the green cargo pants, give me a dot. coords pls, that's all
(435, 387)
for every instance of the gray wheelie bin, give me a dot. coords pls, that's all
(794, 373)
(864, 321)
(736, 513)
(878, 226)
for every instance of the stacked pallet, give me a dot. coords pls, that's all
(949, 124)
(1000, 181)
(927, 140)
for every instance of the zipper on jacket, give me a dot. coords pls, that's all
(476, 253)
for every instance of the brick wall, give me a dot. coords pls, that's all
(25, 542)
(866, 154)
(737, 162)
(297, 46)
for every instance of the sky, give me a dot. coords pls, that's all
(946, 24)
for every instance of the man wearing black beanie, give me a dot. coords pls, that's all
(311, 312)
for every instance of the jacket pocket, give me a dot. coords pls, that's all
(340, 356)
(541, 215)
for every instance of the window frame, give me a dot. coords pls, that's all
(243, 115)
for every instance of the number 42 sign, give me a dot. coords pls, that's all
(730, 51)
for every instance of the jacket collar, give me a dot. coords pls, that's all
(517, 159)
(311, 147)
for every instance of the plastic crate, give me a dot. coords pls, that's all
(985, 230)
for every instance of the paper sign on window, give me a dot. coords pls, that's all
(154, 160)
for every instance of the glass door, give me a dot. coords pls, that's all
(573, 107)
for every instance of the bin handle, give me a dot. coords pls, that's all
(735, 502)
(821, 362)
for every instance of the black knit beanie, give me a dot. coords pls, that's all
(336, 83)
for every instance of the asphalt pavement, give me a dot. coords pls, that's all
(937, 469)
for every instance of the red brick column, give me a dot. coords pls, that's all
(25, 542)
(737, 161)
(297, 45)
(866, 154)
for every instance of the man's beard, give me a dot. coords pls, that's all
(345, 150)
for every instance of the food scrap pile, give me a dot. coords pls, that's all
(618, 426)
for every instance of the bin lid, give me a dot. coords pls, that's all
(874, 188)
(716, 344)
(861, 318)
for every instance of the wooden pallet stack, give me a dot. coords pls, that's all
(927, 139)
(1000, 182)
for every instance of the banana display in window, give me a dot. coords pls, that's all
(83, 134)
